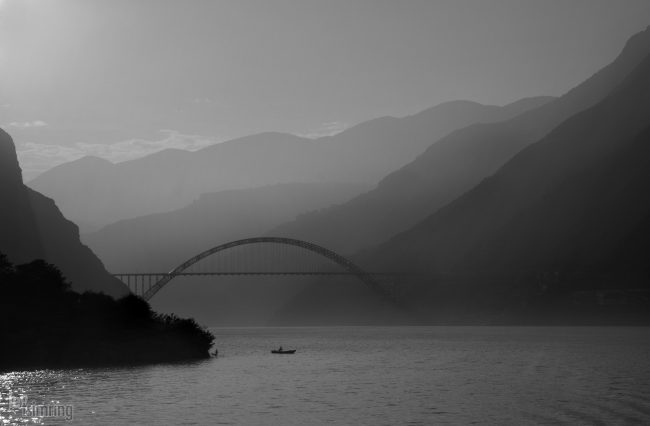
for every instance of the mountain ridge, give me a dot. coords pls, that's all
(32, 227)
(454, 164)
(567, 214)
(164, 240)
(169, 180)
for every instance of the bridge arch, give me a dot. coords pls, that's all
(350, 267)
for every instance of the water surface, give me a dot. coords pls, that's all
(367, 376)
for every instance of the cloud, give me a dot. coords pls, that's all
(326, 129)
(26, 124)
(35, 158)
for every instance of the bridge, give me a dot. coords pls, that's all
(228, 260)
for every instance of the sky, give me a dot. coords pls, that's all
(121, 78)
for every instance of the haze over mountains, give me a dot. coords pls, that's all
(574, 200)
(498, 208)
(31, 227)
(93, 192)
(161, 241)
(569, 213)
(453, 165)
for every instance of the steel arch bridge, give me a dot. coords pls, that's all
(147, 285)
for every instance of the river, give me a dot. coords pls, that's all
(361, 376)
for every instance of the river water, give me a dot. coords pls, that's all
(362, 376)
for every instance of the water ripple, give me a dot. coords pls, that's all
(367, 376)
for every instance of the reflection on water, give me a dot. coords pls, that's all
(366, 375)
(24, 397)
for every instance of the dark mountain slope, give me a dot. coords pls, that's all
(573, 206)
(454, 165)
(31, 227)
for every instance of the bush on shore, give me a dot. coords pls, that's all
(43, 324)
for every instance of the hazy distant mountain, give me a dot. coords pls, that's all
(341, 301)
(31, 227)
(453, 165)
(573, 206)
(160, 242)
(93, 192)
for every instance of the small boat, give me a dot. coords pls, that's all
(283, 351)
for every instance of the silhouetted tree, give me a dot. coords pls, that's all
(45, 324)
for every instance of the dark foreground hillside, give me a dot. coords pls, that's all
(43, 324)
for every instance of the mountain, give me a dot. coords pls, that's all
(95, 192)
(161, 241)
(32, 227)
(568, 214)
(453, 165)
